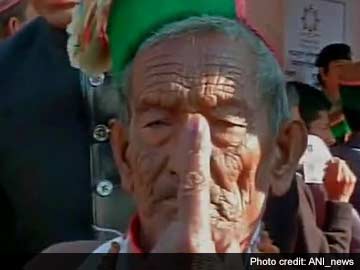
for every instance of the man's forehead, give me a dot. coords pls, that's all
(213, 61)
(209, 45)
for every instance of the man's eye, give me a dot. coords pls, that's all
(157, 123)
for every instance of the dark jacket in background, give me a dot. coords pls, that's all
(291, 222)
(44, 147)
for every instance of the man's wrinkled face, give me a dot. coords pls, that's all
(57, 12)
(210, 77)
(321, 128)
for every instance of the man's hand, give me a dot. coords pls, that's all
(339, 181)
(191, 233)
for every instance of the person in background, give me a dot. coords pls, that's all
(350, 151)
(340, 77)
(313, 107)
(327, 60)
(57, 12)
(31, 12)
(44, 153)
(13, 14)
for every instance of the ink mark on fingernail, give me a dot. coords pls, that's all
(194, 126)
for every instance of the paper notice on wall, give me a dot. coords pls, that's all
(310, 26)
(314, 160)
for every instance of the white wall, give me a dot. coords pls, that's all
(268, 16)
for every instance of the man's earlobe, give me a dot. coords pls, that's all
(290, 146)
(119, 145)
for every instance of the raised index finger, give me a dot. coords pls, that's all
(194, 189)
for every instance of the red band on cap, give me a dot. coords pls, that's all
(241, 14)
(241, 9)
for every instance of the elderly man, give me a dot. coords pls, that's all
(196, 147)
(205, 127)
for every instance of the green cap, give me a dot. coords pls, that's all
(133, 21)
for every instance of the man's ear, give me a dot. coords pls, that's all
(119, 144)
(290, 146)
(13, 26)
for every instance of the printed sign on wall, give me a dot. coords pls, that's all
(310, 26)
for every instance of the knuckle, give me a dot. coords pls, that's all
(194, 181)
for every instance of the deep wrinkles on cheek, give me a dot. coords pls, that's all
(226, 167)
(225, 195)
(234, 169)
(149, 165)
(251, 162)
